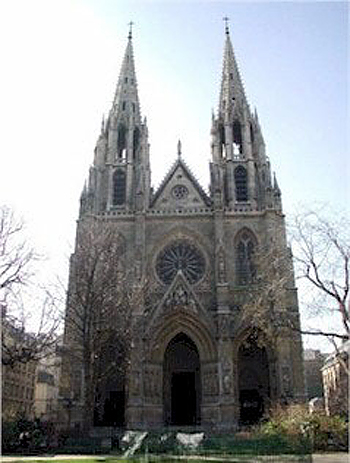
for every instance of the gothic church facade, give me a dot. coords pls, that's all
(203, 363)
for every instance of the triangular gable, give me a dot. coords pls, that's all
(179, 190)
(179, 297)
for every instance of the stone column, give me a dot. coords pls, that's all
(135, 403)
(153, 394)
(226, 408)
(135, 394)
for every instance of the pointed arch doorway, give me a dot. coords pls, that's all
(253, 379)
(182, 384)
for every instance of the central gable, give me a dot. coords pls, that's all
(179, 190)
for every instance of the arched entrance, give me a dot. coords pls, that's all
(253, 379)
(182, 385)
(109, 407)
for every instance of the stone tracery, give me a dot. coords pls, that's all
(180, 255)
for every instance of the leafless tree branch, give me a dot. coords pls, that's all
(21, 344)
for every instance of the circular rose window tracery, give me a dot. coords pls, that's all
(183, 256)
(180, 192)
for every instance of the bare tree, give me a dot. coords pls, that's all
(321, 249)
(321, 256)
(16, 255)
(98, 319)
(22, 343)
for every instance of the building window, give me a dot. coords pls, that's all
(124, 105)
(136, 141)
(237, 137)
(179, 192)
(251, 133)
(119, 184)
(245, 265)
(183, 256)
(121, 141)
(241, 184)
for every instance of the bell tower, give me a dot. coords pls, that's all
(120, 176)
(240, 170)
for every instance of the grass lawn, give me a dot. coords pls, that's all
(67, 460)
(165, 459)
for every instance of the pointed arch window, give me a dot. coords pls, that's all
(121, 141)
(244, 251)
(222, 140)
(237, 136)
(119, 187)
(251, 133)
(136, 141)
(241, 183)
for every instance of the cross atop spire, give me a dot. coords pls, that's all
(226, 19)
(130, 30)
(179, 149)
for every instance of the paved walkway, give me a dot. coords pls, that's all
(340, 457)
(331, 458)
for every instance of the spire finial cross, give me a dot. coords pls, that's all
(179, 148)
(226, 19)
(130, 30)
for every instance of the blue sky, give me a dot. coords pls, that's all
(62, 60)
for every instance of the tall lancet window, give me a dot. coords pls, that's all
(241, 183)
(251, 133)
(121, 141)
(119, 187)
(136, 141)
(237, 138)
(245, 245)
(222, 140)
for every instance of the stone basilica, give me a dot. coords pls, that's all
(204, 363)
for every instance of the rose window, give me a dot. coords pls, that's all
(180, 256)
(180, 192)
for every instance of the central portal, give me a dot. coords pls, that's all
(182, 389)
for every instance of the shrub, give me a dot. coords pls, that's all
(23, 435)
(296, 423)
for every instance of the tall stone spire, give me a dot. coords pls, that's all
(232, 91)
(120, 175)
(126, 100)
(238, 150)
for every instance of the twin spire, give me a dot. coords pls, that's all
(232, 95)
(122, 151)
